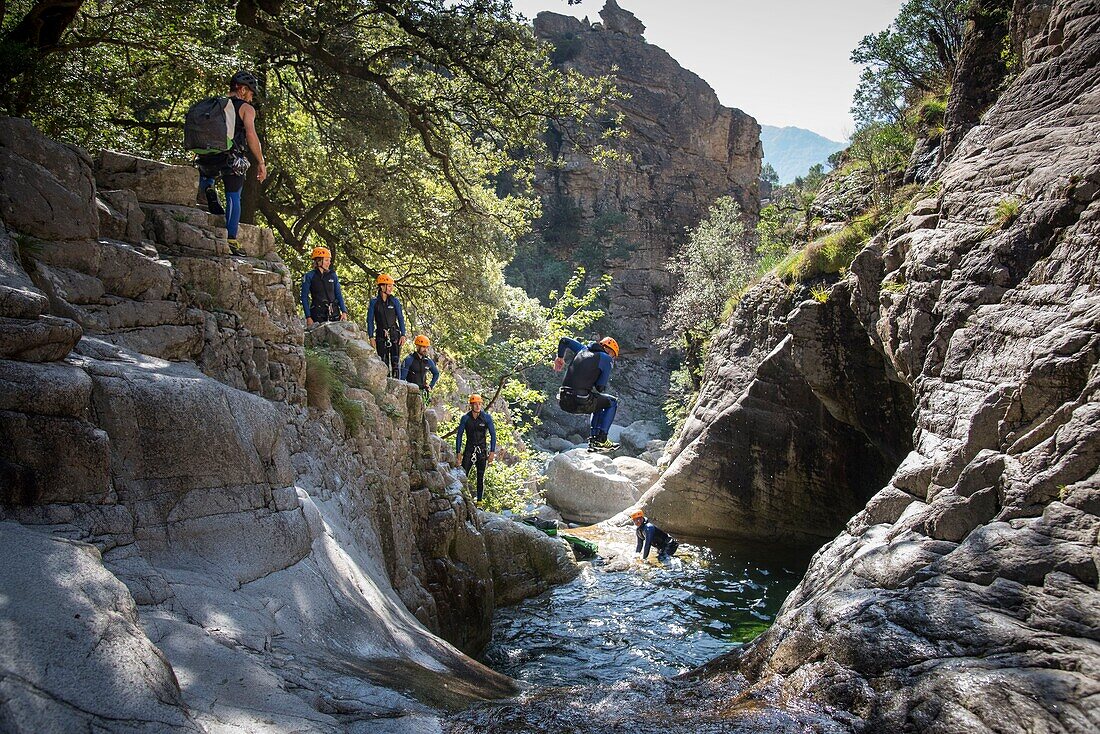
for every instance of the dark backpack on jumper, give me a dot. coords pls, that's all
(209, 126)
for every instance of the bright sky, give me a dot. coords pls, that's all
(785, 62)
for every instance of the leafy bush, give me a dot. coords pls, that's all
(820, 293)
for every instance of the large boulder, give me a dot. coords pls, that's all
(587, 487)
(152, 181)
(525, 561)
(636, 437)
(73, 656)
(46, 187)
(640, 472)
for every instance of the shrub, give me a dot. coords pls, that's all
(832, 253)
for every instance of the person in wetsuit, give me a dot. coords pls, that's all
(651, 536)
(474, 427)
(418, 365)
(232, 165)
(386, 325)
(582, 388)
(322, 299)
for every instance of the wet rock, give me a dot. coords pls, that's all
(525, 561)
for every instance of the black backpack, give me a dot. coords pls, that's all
(210, 125)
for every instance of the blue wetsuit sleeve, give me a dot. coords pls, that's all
(565, 344)
(649, 528)
(638, 547)
(305, 291)
(435, 372)
(461, 432)
(339, 294)
(605, 372)
(492, 432)
(370, 318)
(405, 365)
(400, 315)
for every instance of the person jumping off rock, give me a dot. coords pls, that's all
(582, 389)
(417, 365)
(649, 535)
(386, 324)
(232, 165)
(473, 427)
(322, 299)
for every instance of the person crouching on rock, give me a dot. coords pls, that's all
(417, 365)
(473, 427)
(322, 299)
(386, 324)
(651, 536)
(582, 389)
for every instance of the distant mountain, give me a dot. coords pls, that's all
(792, 150)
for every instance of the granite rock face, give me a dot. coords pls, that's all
(963, 596)
(210, 553)
(526, 562)
(683, 149)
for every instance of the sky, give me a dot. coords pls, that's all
(785, 62)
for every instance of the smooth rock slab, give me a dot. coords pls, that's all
(525, 561)
(72, 655)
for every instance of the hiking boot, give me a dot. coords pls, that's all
(212, 203)
(600, 443)
(235, 247)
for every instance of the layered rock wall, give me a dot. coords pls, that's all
(190, 547)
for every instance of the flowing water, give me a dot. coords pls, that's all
(620, 620)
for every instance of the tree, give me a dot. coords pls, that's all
(713, 265)
(768, 175)
(387, 124)
(913, 57)
(882, 149)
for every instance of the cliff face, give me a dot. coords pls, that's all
(189, 546)
(683, 149)
(963, 597)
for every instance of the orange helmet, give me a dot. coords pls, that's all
(610, 345)
(476, 399)
(422, 341)
(637, 515)
(383, 279)
(321, 252)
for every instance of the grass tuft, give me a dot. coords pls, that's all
(323, 380)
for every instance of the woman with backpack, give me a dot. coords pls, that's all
(220, 138)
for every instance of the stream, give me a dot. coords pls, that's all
(619, 620)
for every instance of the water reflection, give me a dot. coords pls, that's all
(617, 622)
